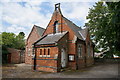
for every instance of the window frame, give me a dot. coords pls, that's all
(56, 27)
(79, 50)
(73, 55)
(40, 51)
(29, 51)
(48, 51)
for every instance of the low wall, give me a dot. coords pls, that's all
(110, 60)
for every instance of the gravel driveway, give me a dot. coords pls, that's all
(100, 70)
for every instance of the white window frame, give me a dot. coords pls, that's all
(57, 27)
(45, 52)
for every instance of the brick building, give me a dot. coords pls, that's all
(34, 35)
(63, 45)
(15, 55)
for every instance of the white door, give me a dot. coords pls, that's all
(63, 58)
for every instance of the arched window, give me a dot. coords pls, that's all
(56, 25)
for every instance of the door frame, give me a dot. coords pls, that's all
(63, 53)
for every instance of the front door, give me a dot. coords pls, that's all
(63, 58)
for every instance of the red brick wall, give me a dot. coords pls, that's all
(81, 60)
(33, 36)
(63, 44)
(48, 64)
(15, 58)
(85, 60)
(51, 64)
(14, 55)
(90, 59)
(63, 27)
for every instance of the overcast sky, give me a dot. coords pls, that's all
(21, 15)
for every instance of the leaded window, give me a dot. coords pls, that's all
(79, 50)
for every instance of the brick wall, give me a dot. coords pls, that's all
(15, 56)
(63, 27)
(53, 62)
(90, 58)
(45, 62)
(33, 36)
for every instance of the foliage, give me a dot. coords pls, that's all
(4, 54)
(114, 8)
(10, 40)
(104, 26)
(20, 40)
(13, 41)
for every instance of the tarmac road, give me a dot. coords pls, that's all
(99, 70)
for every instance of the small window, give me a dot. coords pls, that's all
(56, 25)
(48, 51)
(71, 57)
(79, 50)
(44, 51)
(33, 51)
(40, 51)
(29, 51)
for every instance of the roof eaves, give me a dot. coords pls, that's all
(39, 39)
(82, 35)
(30, 33)
(74, 28)
(63, 36)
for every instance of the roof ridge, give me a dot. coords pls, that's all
(39, 26)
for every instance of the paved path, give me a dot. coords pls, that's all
(95, 71)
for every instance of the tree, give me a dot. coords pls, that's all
(20, 40)
(10, 40)
(104, 33)
(114, 8)
(13, 41)
(22, 34)
(7, 40)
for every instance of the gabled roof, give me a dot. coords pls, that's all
(50, 38)
(40, 31)
(84, 33)
(74, 27)
(80, 33)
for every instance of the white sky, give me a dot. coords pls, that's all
(20, 15)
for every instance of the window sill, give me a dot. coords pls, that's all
(44, 55)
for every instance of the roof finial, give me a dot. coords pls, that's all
(57, 6)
